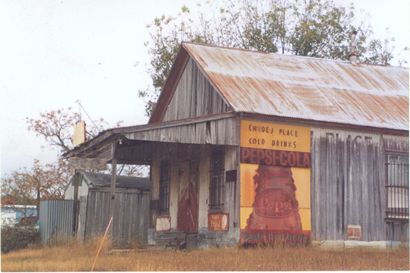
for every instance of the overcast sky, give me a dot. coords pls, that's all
(53, 53)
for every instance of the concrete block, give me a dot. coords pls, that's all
(331, 244)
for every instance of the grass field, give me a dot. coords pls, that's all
(77, 257)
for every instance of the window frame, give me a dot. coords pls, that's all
(217, 180)
(164, 187)
(397, 188)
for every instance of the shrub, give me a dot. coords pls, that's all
(17, 237)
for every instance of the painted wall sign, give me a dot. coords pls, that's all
(271, 136)
(275, 158)
(275, 181)
(218, 221)
(354, 232)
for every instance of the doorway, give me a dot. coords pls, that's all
(187, 219)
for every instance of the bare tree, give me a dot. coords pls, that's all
(56, 128)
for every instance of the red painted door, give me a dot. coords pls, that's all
(188, 197)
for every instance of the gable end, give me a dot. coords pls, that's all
(187, 93)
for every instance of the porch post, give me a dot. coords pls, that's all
(76, 182)
(113, 183)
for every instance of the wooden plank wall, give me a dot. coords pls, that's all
(347, 185)
(204, 182)
(177, 153)
(131, 214)
(162, 151)
(194, 96)
(398, 144)
(232, 193)
(222, 131)
(398, 231)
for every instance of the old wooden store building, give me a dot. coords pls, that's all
(247, 147)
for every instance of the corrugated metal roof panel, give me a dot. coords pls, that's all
(307, 88)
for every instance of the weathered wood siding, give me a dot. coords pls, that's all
(221, 131)
(180, 153)
(131, 214)
(232, 190)
(204, 179)
(398, 231)
(163, 151)
(347, 184)
(82, 190)
(231, 201)
(398, 144)
(194, 96)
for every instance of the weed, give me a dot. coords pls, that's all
(79, 257)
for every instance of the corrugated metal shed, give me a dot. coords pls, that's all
(306, 88)
(56, 221)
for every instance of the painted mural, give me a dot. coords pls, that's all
(275, 183)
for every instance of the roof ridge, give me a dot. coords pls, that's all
(292, 55)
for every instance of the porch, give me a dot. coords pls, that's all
(190, 202)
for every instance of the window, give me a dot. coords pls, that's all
(164, 181)
(216, 189)
(397, 187)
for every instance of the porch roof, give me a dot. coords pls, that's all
(219, 129)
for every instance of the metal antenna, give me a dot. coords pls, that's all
(81, 107)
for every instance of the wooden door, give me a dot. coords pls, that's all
(188, 196)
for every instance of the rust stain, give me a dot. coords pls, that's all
(307, 88)
(187, 219)
(218, 221)
(385, 79)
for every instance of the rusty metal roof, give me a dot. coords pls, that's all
(307, 88)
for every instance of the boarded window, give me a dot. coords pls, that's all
(164, 182)
(217, 183)
(397, 187)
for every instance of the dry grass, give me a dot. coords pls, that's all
(76, 257)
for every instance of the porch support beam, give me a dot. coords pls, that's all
(113, 184)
